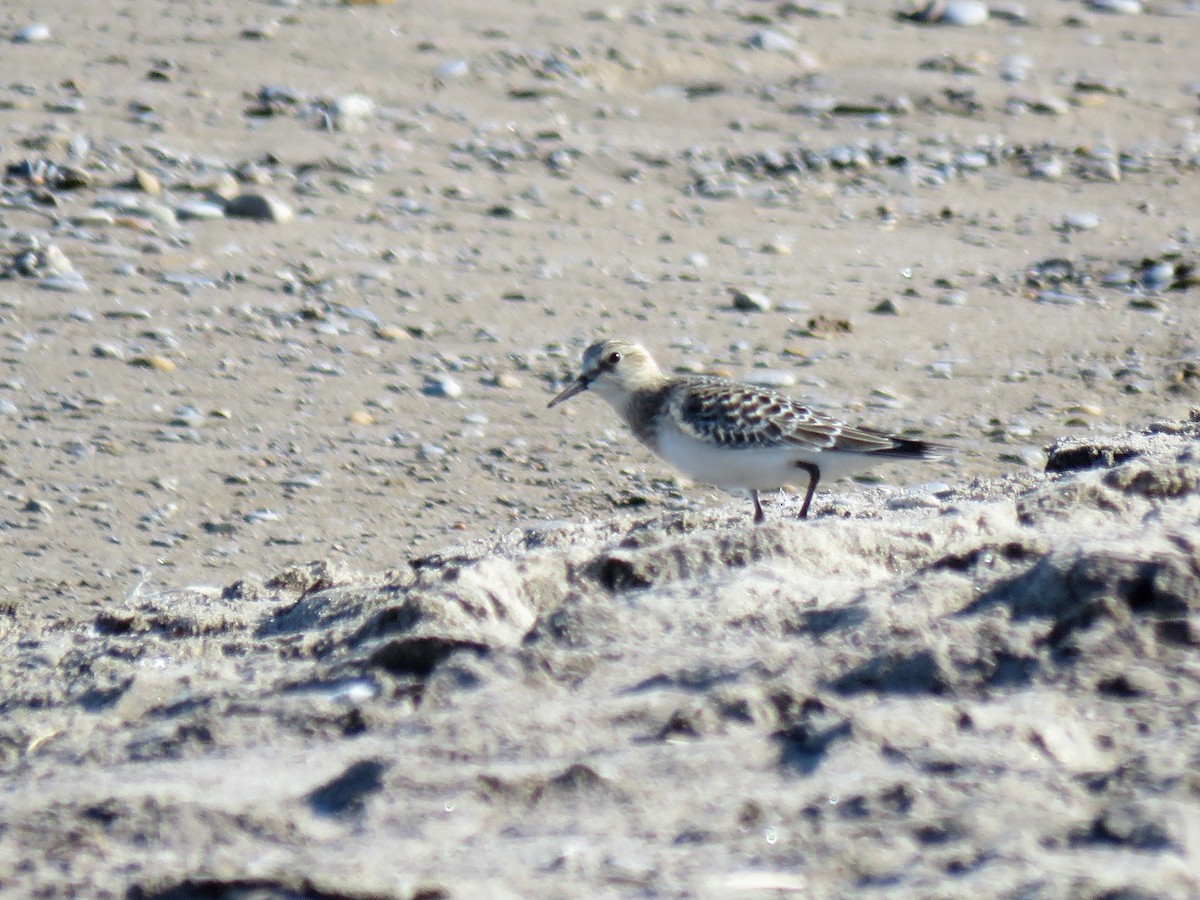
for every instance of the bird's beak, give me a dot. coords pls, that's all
(578, 386)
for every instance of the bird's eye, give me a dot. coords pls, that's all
(614, 358)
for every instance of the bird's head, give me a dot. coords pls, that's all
(614, 369)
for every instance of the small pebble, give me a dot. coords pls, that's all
(186, 417)
(199, 210)
(38, 507)
(107, 351)
(1116, 7)
(1081, 221)
(964, 13)
(31, 34)
(259, 207)
(442, 386)
(454, 68)
(1059, 298)
(351, 112)
(1153, 304)
(146, 182)
(1033, 457)
(361, 417)
(1049, 168)
(750, 301)
(93, 218)
(153, 361)
(132, 312)
(1158, 276)
(392, 333)
(67, 283)
(772, 41)
(1015, 69)
(54, 262)
(972, 160)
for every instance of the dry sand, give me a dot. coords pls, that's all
(307, 594)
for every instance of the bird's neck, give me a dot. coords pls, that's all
(640, 409)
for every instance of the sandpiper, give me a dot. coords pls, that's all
(735, 436)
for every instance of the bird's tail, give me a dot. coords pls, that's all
(909, 448)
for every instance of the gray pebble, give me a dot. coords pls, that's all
(1009, 12)
(1050, 105)
(107, 351)
(1048, 167)
(93, 218)
(133, 312)
(8, 409)
(772, 41)
(186, 417)
(454, 68)
(159, 212)
(259, 207)
(31, 34)
(1158, 276)
(188, 280)
(1059, 298)
(817, 10)
(1034, 457)
(1081, 221)
(326, 368)
(53, 261)
(1015, 68)
(750, 301)
(66, 283)
(200, 209)
(351, 112)
(442, 386)
(1116, 7)
(965, 13)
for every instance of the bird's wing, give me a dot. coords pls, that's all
(741, 416)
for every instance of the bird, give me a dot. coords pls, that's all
(729, 434)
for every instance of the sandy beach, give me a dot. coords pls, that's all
(307, 594)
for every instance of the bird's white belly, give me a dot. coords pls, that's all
(753, 468)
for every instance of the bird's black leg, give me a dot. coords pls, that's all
(759, 518)
(814, 475)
